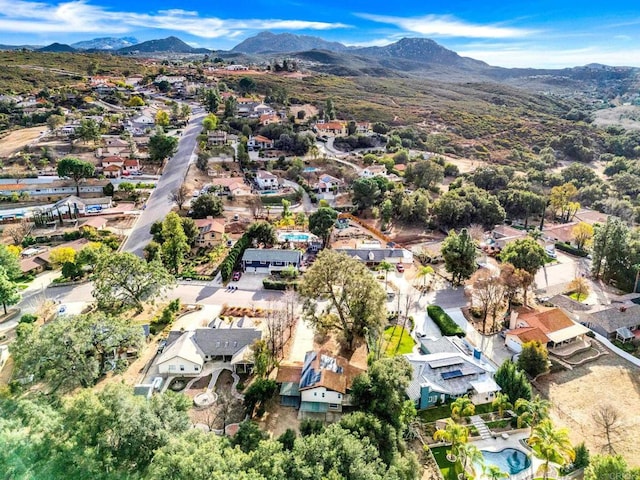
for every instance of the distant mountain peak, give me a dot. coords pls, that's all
(57, 47)
(170, 44)
(269, 42)
(105, 43)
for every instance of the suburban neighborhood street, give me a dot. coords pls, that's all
(159, 204)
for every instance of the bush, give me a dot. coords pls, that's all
(74, 235)
(570, 249)
(258, 393)
(270, 284)
(445, 323)
(233, 257)
(28, 318)
(310, 426)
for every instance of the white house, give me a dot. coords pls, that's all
(182, 357)
(327, 183)
(374, 171)
(260, 142)
(267, 180)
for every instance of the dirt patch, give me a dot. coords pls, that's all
(19, 139)
(201, 383)
(278, 419)
(575, 394)
(226, 409)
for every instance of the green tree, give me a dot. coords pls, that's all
(609, 466)
(329, 110)
(467, 205)
(76, 170)
(136, 101)
(459, 253)
(175, 246)
(89, 130)
(162, 147)
(525, 254)
(513, 382)
(424, 272)
(9, 262)
(191, 230)
(454, 434)
(91, 253)
(123, 280)
(532, 412)
(78, 349)
(258, 393)
(493, 472)
(385, 267)
(162, 118)
(211, 100)
(262, 233)
(356, 302)
(611, 252)
(210, 122)
(470, 458)
(54, 122)
(230, 107)
(502, 403)
(366, 193)
(551, 444)
(321, 223)
(425, 174)
(9, 293)
(534, 358)
(207, 205)
(247, 85)
(519, 203)
(386, 211)
(462, 407)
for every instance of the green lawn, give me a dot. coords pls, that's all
(578, 297)
(391, 339)
(444, 411)
(449, 470)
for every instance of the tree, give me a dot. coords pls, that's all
(607, 466)
(385, 267)
(489, 290)
(461, 207)
(551, 445)
(329, 110)
(247, 85)
(608, 418)
(502, 403)
(76, 170)
(513, 382)
(531, 412)
(471, 456)
(561, 202)
(366, 193)
(525, 254)
(454, 434)
(162, 147)
(89, 130)
(534, 358)
(207, 205)
(175, 246)
(258, 393)
(191, 230)
(262, 233)
(582, 234)
(179, 196)
(91, 253)
(462, 407)
(381, 390)
(493, 472)
(9, 293)
(18, 231)
(78, 349)
(210, 122)
(54, 122)
(162, 118)
(230, 107)
(123, 280)
(459, 253)
(513, 279)
(61, 255)
(610, 250)
(522, 203)
(356, 302)
(321, 223)
(425, 174)
(211, 100)
(386, 211)
(9, 262)
(424, 272)
(136, 101)
(580, 287)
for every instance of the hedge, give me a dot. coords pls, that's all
(269, 284)
(565, 247)
(233, 257)
(445, 323)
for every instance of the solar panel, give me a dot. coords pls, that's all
(446, 362)
(452, 374)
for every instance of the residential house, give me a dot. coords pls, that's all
(616, 322)
(559, 233)
(591, 216)
(236, 68)
(321, 385)
(211, 231)
(260, 142)
(112, 171)
(438, 377)
(503, 234)
(133, 80)
(217, 138)
(115, 166)
(40, 260)
(327, 184)
(363, 127)
(32, 265)
(262, 109)
(552, 328)
(187, 352)
(269, 260)
(69, 129)
(84, 206)
(172, 79)
(115, 146)
(375, 255)
(55, 188)
(334, 128)
(230, 186)
(374, 171)
(267, 180)
(269, 118)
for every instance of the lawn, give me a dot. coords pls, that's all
(392, 338)
(444, 411)
(450, 471)
(578, 297)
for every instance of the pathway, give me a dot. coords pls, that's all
(482, 428)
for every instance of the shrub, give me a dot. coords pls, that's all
(258, 393)
(570, 249)
(445, 323)
(310, 426)
(270, 284)
(28, 318)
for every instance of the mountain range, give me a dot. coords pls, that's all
(105, 43)
(267, 42)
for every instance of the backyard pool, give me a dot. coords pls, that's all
(309, 169)
(268, 192)
(509, 460)
(296, 237)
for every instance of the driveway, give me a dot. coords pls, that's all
(159, 205)
(566, 269)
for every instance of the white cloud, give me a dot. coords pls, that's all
(79, 17)
(447, 26)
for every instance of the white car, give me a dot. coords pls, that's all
(157, 383)
(62, 310)
(551, 252)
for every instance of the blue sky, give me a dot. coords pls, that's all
(539, 33)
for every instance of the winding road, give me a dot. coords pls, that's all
(159, 205)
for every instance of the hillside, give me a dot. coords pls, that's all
(105, 43)
(164, 45)
(57, 48)
(267, 42)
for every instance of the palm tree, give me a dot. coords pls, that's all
(501, 402)
(462, 407)
(493, 472)
(455, 434)
(551, 445)
(385, 267)
(424, 272)
(470, 457)
(532, 412)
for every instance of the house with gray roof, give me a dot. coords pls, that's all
(269, 260)
(373, 256)
(618, 322)
(186, 352)
(438, 377)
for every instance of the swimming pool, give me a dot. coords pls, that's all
(309, 169)
(296, 237)
(509, 460)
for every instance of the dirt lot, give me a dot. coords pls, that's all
(574, 394)
(15, 141)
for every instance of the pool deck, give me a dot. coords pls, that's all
(512, 441)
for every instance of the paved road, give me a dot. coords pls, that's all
(159, 205)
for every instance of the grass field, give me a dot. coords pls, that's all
(450, 471)
(392, 338)
(444, 411)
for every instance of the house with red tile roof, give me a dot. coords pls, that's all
(334, 128)
(211, 231)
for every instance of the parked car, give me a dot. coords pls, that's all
(161, 345)
(62, 310)
(236, 276)
(400, 267)
(551, 252)
(157, 383)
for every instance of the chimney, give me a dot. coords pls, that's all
(623, 308)
(512, 319)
